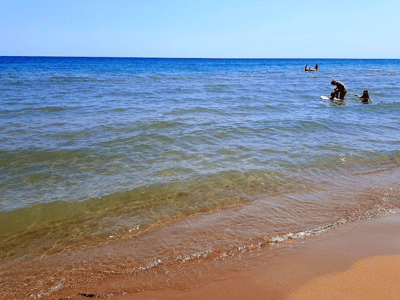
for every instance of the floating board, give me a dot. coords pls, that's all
(334, 99)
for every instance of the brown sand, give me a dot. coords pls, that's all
(341, 264)
(360, 260)
(371, 278)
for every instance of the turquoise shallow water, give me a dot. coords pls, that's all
(137, 139)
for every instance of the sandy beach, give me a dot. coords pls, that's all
(359, 260)
(355, 261)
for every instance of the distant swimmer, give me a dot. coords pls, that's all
(316, 67)
(364, 97)
(307, 68)
(340, 90)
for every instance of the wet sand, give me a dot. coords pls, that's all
(355, 261)
(360, 260)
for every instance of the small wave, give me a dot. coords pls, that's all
(119, 110)
(174, 172)
(5, 112)
(247, 99)
(248, 108)
(182, 111)
(161, 125)
(67, 80)
(226, 151)
(15, 100)
(180, 90)
(141, 142)
(143, 147)
(385, 105)
(309, 126)
(47, 109)
(50, 109)
(38, 177)
(180, 78)
(307, 97)
(145, 203)
(271, 107)
(218, 88)
(171, 153)
(37, 158)
(76, 79)
(15, 83)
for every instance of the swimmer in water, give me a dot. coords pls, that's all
(364, 97)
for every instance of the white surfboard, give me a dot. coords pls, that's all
(334, 99)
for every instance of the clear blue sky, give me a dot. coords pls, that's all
(213, 29)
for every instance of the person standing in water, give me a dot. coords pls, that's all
(316, 67)
(340, 90)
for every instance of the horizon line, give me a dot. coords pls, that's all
(166, 57)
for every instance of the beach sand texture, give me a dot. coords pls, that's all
(359, 260)
(356, 261)
(370, 278)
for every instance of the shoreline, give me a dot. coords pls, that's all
(275, 272)
(309, 269)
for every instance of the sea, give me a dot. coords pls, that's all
(219, 155)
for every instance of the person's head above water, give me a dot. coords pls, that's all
(365, 97)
